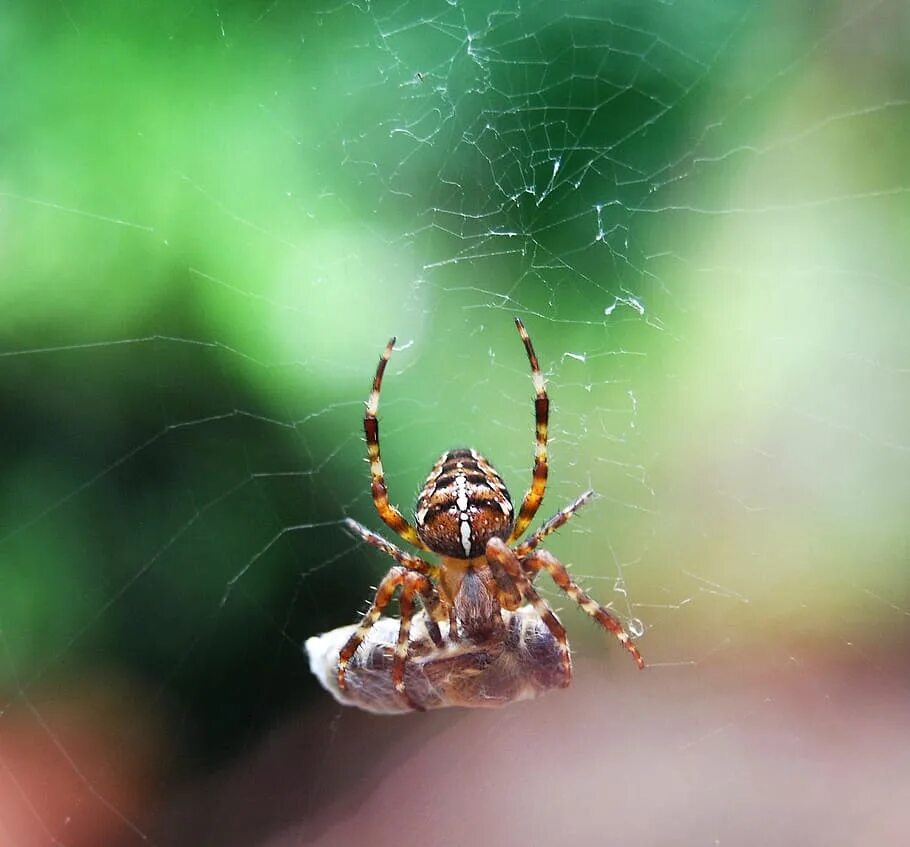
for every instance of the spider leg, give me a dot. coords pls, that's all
(387, 511)
(603, 616)
(410, 582)
(552, 525)
(534, 495)
(402, 647)
(428, 596)
(499, 554)
(406, 560)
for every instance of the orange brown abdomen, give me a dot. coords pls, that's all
(463, 504)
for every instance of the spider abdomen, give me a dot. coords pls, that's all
(463, 504)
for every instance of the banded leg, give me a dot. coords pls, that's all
(402, 647)
(406, 560)
(411, 583)
(428, 597)
(603, 616)
(387, 511)
(552, 525)
(534, 495)
(499, 554)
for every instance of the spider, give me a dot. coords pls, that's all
(464, 515)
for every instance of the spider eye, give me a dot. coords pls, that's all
(464, 503)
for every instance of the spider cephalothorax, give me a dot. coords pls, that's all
(465, 516)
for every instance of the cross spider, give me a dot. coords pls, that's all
(465, 516)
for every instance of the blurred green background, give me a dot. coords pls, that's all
(212, 217)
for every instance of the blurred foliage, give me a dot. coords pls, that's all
(213, 217)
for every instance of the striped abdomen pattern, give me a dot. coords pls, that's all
(464, 503)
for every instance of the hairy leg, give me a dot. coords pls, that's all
(534, 495)
(603, 616)
(552, 525)
(500, 555)
(386, 510)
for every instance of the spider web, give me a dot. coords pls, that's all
(213, 219)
